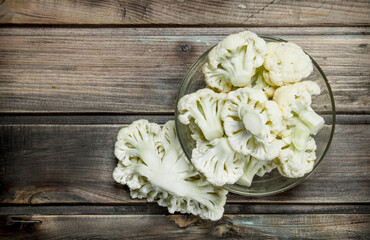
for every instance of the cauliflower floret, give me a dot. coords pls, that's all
(295, 103)
(299, 132)
(252, 123)
(153, 165)
(255, 167)
(203, 108)
(294, 163)
(196, 132)
(234, 60)
(286, 62)
(258, 82)
(218, 162)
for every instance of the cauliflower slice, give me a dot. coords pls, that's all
(295, 103)
(294, 163)
(255, 167)
(234, 60)
(285, 62)
(252, 123)
(153, 166)
(218, 162)
(203, 108)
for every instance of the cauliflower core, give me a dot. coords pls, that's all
(285, 62)
(203, 108)
(152, 164)
(218, 162)
(251, 123)
(255, 167)
(234, 60)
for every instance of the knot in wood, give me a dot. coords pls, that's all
(185, 48)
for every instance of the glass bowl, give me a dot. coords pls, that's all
(273, 182)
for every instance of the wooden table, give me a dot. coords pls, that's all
(73, 72)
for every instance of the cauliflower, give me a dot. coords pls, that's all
(234, 60)
(254, 116)
(298, 132)
(294, 163)
(295, 103)
(255, 167)
(152, 164)
(218, 162)
(285, 62)
(258, 82)
(252, 123)
(196, 132)
(203, 108)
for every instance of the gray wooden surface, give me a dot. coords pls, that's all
(240, 226)
(182, 12)
(74, 163)
(106, 70)
(72, 73)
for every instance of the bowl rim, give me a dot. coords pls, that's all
(182, 89)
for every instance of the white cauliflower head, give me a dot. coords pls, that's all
(203, 108)
(234, 60)
(295, 100)
(254, 167)
(252, 123)
(152, 164)
(218, 162)
(285, 62)
(294, 163)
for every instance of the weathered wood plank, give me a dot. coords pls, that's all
(153, 208)
(66, 119)
(83, 119)
(135, 70)
(174, 31)
(73, 164)
(196, 12)
(271, 226)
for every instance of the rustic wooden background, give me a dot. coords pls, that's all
(73, 72)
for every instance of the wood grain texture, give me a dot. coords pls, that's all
(154, 209)
(44, 164)
(179, 12)
(82, 69)
(272, 226)
(139, 70)
(83, 119)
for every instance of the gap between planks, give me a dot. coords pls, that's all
(320, 27)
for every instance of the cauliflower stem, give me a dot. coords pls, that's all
(311, 119)
(251, 168)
